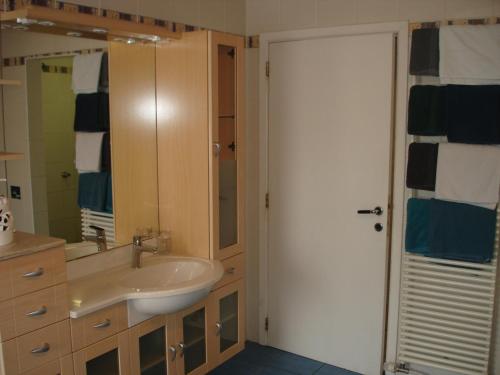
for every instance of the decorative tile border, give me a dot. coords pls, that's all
(21, 60)
(57, 69)
(438, 24)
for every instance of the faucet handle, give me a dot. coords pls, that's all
(99, 231)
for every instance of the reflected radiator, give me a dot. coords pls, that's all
(447, 313)
(100, 219)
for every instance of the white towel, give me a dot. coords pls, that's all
(469, 54)
(88, 151)
(86, 71)
(468, 174)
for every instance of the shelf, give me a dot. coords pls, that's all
(152, 363)
(11, 156)
(9, 82)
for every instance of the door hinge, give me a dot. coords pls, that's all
(266, 324)
(267, 200)
(268, 69)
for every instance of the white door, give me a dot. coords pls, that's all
(330, 106)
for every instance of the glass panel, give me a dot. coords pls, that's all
(152, 353)
(193, 326)
(228, 208)
(229, 321)
(105, 364)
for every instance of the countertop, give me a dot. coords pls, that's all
(26, 243)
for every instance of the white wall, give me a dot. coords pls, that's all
(279, 15)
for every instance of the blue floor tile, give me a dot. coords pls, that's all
(264, 360)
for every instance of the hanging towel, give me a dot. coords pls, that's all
(86, 72)
(424, 58)
(473, 114)
(461, 232)
(468, 174)
(469, 53)
(106, 153)
(92, 112)
(417, 226)
(426, 113)
(109, 195)
(421, 170)
(88, 152)
(104, 74)
(92, 191)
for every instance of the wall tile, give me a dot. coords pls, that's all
(298, 14)
(336, 12)
(468, 8)
(235, 16)
(422, 10)
(212, 14)
(496, 12)
(377, 11)
(89, 3)
(187, 11)
(127, 6)
(158, 9)
(262, 16)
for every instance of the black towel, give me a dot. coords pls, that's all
(92, 112)
(461, 231)
(473, 114)
(103, 74)
(106, 153)
(424, 58)
(422, 163)
(426, 113)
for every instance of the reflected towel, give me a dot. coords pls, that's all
(417, 226)
(109, 195)
(469, 52)
(473, 114)
(421, 170)
(468, 174)
(104, 74)
(106, 153)
(92, 191)
(426, 114)
(92, 112)
(424, 59)
(88, 151)
(86, 73)
(461, 232)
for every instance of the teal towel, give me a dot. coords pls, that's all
(461, 231)
(417, 226)
(92, 191)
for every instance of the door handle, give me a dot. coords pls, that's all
(218, 326)
(376, 211)
(181, 349)
(173, 351)
(217, 149)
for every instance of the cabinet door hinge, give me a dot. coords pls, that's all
(266, 324)
(268, 69)
(267, 200)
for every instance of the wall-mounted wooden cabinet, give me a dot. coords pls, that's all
(200, 101)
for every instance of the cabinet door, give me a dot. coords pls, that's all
(227, 159)
(227, 322)
(152, 347)
(192, 355)
(107, 357)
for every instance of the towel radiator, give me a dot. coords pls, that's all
(99, 219)
(446, 316)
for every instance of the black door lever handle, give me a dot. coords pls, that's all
(376, 211)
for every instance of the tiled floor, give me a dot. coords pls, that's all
(264, 360)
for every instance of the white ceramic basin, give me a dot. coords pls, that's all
(172, 285)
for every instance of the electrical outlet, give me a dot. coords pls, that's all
(15, 192)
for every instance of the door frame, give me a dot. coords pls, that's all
(400, 30)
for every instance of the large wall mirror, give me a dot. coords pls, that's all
(85, 118)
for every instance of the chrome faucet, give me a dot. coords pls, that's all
(99, 238)
(139, 248)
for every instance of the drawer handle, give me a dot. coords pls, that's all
(41, 311)
(41, 349)
(104, 324)
(231, 270)
(37, 273)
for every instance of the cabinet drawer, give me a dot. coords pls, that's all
(94, 327)
(234, 269)
(36, 349)
(33, 311)
(30, 273)
(63, 366)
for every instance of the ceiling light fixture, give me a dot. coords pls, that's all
(20, 27)
(26, 21)
(46, 23)
(73, 34)
(99, 31)
(130, 41)
(5, 26)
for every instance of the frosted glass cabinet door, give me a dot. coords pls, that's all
(107, 357)
(228, 138)
(152, 347)
(227, 319)
(192, 353)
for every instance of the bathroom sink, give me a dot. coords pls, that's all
(172, 285)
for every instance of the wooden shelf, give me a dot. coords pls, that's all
(9, 82)
(11, 156)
